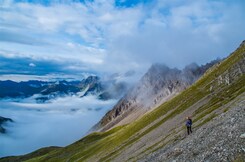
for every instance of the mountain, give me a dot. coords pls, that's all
(117, 84)
(43, 91)
(114, 89)
(215, 102)
(158, 85)
(11, 89)
(91, 85)
(2, 122)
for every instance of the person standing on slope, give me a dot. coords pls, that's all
(188, 125)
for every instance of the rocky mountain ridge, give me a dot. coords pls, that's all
(158, 85)
(44, 90)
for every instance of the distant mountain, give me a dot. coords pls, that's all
(13, 89)
(158, 85)
(92, 86)
(2, 121)
(44, 91)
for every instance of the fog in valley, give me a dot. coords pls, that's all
(57, 123)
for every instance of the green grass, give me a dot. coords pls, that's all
(36, 154)
(239, 158)
(226, 109)
(222, 97)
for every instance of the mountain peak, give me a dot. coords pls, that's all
(157, 67)
(159, 84)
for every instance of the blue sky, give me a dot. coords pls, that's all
(107, 36)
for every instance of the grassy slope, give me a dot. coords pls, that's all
(106, 146)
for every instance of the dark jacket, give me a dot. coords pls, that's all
(188, 123)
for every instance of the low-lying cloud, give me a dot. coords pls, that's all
(58, 123)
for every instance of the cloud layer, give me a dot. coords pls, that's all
(107, 35)
(58, 123)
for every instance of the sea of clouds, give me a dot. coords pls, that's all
(58, 123)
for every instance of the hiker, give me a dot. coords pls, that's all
(188, 125)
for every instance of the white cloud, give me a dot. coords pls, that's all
(42, 125)
(49, 77)
(105, 37)
(32, 65)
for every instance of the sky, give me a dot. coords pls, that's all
(107, 36)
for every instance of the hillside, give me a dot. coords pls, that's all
(216, 103)
(159, 84)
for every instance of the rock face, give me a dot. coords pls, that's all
(105, 90)
(158, 85)
(2, 121)
(91, 85)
